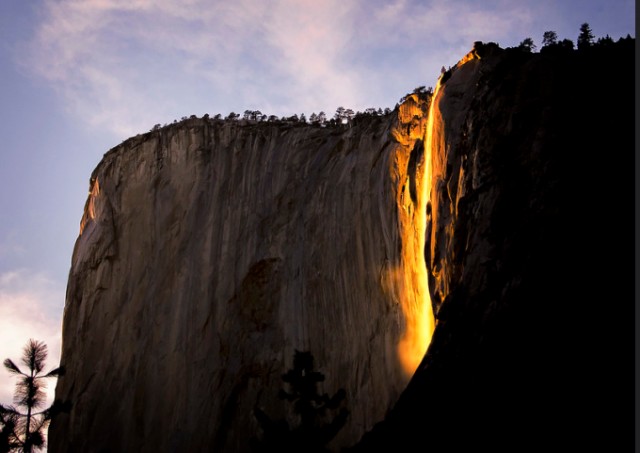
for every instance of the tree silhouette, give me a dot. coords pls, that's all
(311, 435)
(607, 41)
(585, 39)
(566, 44)
(549, 38)
(527, 45)
(23, 425)
(349, 114)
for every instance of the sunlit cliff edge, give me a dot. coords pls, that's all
(209, 251)
(497, 211)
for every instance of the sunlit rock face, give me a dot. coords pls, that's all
(530, 257)
(210, 251)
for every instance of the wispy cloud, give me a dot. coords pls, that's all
(29, 308)
(312, 41)
(126, 65)
(439, 31)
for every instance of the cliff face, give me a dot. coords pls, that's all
(210, 251)
(530, 257)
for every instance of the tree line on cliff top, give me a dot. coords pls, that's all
(550, 44)
(342, 116)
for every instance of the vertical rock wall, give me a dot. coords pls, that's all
(530, 256)
(210, 251)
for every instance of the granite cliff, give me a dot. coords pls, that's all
(210, 251)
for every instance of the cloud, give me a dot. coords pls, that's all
(115, 63)
(121, 66)
(29, 308)
(312, 40)
(124, 66)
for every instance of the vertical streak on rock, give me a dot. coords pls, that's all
(436, 152)
(412, 212)
(90, 209)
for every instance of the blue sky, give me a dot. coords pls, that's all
(81, 76)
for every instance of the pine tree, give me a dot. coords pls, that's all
(585, 39)
(23, 424)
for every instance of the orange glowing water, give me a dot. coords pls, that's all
(418, 312)
(90, 209)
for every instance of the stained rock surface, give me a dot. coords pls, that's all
(210, 251)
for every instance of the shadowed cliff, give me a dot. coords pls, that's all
(531, 226)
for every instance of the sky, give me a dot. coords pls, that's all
(81, 76)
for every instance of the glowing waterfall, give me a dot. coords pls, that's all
(417, 307)
(89, 207)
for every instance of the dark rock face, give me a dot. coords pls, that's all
(531, 260)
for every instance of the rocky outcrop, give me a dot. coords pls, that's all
(210, 251)
(530, 257)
